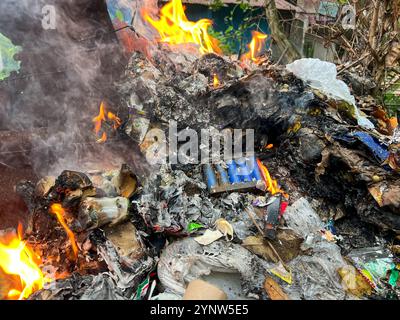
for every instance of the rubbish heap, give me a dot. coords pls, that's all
(315, 216)
(326, 231)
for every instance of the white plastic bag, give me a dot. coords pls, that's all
(321, 75)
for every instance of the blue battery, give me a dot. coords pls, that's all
(210, 176)
(222, 174)
(256, 173)
(243, 170)
(233, 173)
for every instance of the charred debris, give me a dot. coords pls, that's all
(318, 218)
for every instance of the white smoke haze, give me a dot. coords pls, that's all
(66, 71)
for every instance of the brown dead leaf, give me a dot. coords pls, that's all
(396, 249)
(394, 55)
(321, 167)
(287, 244)
(273, 290)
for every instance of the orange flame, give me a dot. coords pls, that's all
(103, 138)
(59, 211)
(256, 45)
(271, 184)
(100, 118)
(117, 121)
(17, 259)
(174, 28)
(216, 81)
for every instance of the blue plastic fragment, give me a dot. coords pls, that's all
(120, 12)
(379, 151)
(243, 170)
(210, 176)
(233, 172)
(330, 226)
(222, 174)
(256, 174)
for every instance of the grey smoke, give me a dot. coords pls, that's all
(65, 74)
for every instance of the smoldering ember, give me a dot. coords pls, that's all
(290, 107)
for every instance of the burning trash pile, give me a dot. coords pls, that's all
(313, 212)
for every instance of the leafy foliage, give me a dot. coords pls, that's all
(232, 37)
(392, 100)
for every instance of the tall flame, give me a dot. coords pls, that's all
(99, 119)
(17, 259)
(59, 211)
(256, 45)
(175, 28)
(271, 184)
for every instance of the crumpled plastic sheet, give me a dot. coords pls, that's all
(186, 260)
(302, 218)
(315, 275)
(322, 75)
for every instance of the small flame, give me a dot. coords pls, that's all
(103, 138)
(100, 118)
(59, 211)
(17, 259)
(174, 28)
(271, 184)
(256, 45)
(117, 121)
(216, 81)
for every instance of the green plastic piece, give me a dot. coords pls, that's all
(119, 15)
(394, 276)
(193, 226)
(7, 62)
(142, 289)
(379, 267)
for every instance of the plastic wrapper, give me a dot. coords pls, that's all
(374, 263)
(315, 276)
(302, 218)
